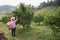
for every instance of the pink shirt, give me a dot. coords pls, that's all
(12, 23)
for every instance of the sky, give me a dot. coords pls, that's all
(16, 2)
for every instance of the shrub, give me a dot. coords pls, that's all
(5, 19)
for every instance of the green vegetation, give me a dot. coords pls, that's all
(45, 32)
(38, 19)
(36, 33)
(49, 3)
(5, 19)
(48, 30)
(25, 15)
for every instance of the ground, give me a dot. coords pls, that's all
(35, 33)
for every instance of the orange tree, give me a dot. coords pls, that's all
(25, 15)
(53, 20)
(38, 19)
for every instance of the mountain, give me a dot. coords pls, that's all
(6, 9)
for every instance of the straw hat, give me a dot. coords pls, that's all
(12, 18)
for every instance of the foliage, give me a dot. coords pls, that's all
(53, 20)
(5, 19)
(38, 19)
(25, 15)
(49, 19)
(57, 2)
(49, 3)
(36, 33)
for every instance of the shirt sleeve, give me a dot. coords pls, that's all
(8, 23)
(15, 20)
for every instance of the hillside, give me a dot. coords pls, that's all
(46, 10)
(4, 9)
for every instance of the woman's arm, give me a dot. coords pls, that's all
(16, 19)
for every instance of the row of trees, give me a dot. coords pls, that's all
(49, 3)
(25, 16)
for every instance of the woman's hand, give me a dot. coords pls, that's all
(17, 17)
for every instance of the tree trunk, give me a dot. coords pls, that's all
(38, 24)
(28, 26)
(24, 27)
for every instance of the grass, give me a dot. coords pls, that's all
(35, 33)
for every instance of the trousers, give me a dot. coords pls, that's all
(13, 31)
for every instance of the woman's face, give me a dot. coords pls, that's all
(12, 19)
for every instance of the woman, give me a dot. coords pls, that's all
(12, 25)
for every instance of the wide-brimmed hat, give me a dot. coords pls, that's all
(12, 18)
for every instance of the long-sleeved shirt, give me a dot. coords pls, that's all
(12, 23)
